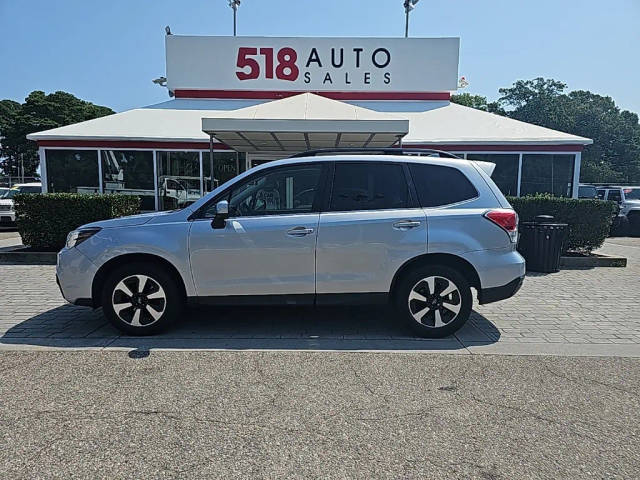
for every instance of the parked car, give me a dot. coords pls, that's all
(587, 191)
(314, 229)
(7, 212)
(628, 198)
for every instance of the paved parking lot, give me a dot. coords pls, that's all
(573, 312)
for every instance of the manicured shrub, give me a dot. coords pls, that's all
(589, 220)
(44, 220)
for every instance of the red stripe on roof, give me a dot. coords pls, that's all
(131, 144)
(505, 147)
(273, 94)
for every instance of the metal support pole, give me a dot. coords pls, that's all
(211, 161)
(519, 186)
(234, 21)
(577, 161)
(406, 25)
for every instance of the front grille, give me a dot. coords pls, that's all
(5, 208)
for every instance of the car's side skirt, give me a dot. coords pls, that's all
(300, 299)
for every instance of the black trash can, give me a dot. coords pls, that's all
(541, 243)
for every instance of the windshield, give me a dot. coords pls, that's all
(3, 192)
(632, 193)
(11, 193)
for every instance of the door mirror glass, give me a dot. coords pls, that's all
(222, 213)
(222, 208)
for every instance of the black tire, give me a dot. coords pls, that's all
(459, 299)
(158, 305)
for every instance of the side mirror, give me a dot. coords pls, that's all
(222, 213)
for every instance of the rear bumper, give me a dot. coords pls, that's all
(495, 294)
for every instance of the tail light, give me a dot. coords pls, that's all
(506, 219)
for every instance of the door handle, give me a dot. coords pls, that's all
(299, 231)
(406, 224)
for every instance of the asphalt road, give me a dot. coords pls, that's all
(317, 414)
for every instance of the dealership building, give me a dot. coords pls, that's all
(238, 102)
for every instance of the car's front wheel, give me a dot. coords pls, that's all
(141, 299)
(434, 301)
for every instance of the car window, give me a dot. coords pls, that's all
(30, 189)
(278, 191)
(632, 193)
(586, 191)
(438, 185)
(369, 186)
(614, 195)
(601, 193)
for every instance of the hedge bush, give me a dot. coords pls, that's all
(44, 220)
(589, 220)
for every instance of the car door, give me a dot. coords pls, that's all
(267, 245)
(371, 227)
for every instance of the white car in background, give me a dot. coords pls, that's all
(7, 212)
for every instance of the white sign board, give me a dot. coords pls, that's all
(312, 64)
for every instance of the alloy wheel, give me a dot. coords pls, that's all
(139, 300)
(434, 301)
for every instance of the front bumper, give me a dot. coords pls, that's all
(7, 217)
(74, 274)
(495, 294)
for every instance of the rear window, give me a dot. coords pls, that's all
(437, 185)
(369, 186)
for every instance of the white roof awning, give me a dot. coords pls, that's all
(247, 135)
(304, 122)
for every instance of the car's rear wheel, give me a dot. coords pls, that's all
(141, 299)
(434, 301)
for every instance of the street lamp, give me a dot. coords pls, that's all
(408, 6)
(234, 4)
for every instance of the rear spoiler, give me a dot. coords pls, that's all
(486, 167)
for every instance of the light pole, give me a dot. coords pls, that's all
(234, 4)
(408, 6)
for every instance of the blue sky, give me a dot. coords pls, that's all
(108, 52)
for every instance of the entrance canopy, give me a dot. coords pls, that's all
(304, 122)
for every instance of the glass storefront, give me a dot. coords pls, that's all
(505, 174)
(544, 173)
(72, 171)
(227, 166)
(180, 183)
(129, 172)
(178, 179)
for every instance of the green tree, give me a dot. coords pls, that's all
(615, 153)
(478, 102)
(38, 112)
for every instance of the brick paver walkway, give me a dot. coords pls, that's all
(578, 312)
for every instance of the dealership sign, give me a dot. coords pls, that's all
(312, 64)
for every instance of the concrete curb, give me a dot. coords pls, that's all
(596, 260)
(17, 256)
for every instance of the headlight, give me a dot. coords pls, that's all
(78, 236)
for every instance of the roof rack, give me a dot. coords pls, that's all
(377, 151)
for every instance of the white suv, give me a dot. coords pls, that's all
(7, 212)
(315, 229)
(628, 198)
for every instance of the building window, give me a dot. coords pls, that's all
(72, 171)
(178, 179)
(505, 174)
(542, 173)
(129, 173)
(227, 166)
